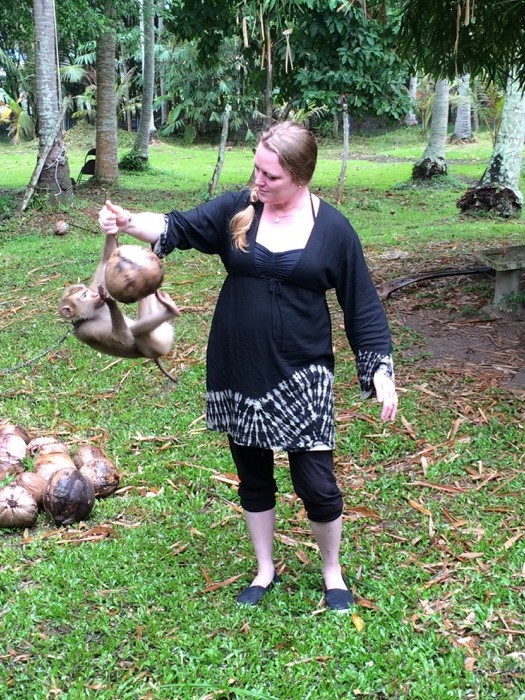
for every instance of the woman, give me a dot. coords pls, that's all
(270, 362)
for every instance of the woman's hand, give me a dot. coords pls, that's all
(112, 218)
(386, 394)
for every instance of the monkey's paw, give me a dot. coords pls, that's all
(103, 294)
(168, 302)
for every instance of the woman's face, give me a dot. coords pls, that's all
(276, 185)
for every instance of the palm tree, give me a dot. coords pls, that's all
(54, 176)
(432, 163)
(410, 118)
(106, 163)
(498, 189)
(141, 145)
(463, 123)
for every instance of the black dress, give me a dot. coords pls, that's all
(270, 361)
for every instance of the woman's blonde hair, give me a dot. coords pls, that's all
(296, 148)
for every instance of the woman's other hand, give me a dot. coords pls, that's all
(386, 394)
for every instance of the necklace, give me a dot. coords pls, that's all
(277, 217)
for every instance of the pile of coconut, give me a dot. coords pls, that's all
(63, 485)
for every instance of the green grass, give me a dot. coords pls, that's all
(140, 612)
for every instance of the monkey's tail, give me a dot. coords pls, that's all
(165, 371)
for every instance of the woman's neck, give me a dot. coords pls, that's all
(288, 209)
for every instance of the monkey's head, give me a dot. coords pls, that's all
(79, 303)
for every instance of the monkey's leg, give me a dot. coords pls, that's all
(152, 311)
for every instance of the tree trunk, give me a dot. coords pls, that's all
(106, 163)
(432, 163)
(410, 118)
(346, 132)
(126, 77)
(164, 107)
(55, 178)
(269, 75)
(463, 123)
(498, 190)
(222, 149)
(475, 106)
(148, 81)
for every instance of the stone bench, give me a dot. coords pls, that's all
(508, 264)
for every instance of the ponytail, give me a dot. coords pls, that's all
(241, 222)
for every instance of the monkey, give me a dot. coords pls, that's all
(99, 322)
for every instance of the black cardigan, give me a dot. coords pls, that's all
(270, 360)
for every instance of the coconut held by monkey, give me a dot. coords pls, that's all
(132, 273)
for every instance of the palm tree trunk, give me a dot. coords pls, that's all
(148, 80)
(432, 163)
(106, 163)
(55, 177)
(463, 123)
(410, 118)
(498, 190)
(164, 107)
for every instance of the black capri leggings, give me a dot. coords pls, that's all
(312, 476)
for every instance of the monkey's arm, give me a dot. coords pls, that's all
(110, 244)
(118, 320)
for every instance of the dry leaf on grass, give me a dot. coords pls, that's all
(358, 622)
(508, 544)
(419, 507)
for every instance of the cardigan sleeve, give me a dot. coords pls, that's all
(366, 325)
(205, 228)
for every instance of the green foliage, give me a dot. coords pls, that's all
(199, 95)
(134, 162)
(8, 205)
(345, 54)
(488, 99)
(448, 38)
(330, 49)
(21, 126)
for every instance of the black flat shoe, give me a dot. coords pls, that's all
(254, 594)
(339, 599)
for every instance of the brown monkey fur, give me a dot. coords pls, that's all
(99, 322)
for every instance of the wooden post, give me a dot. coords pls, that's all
(222, 148)
(346, 131)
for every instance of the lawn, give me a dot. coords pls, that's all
(137, 602)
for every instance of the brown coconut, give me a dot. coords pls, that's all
(39, 443)
(15, 430)
(132, 273)
(13, 445)
(34, 483)
(47, 465)
(9, 466)
(69, 497)
(103, 475)
(18, 508)
(86, 453)
(55, 446)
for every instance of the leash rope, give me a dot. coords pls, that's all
(9, 370)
